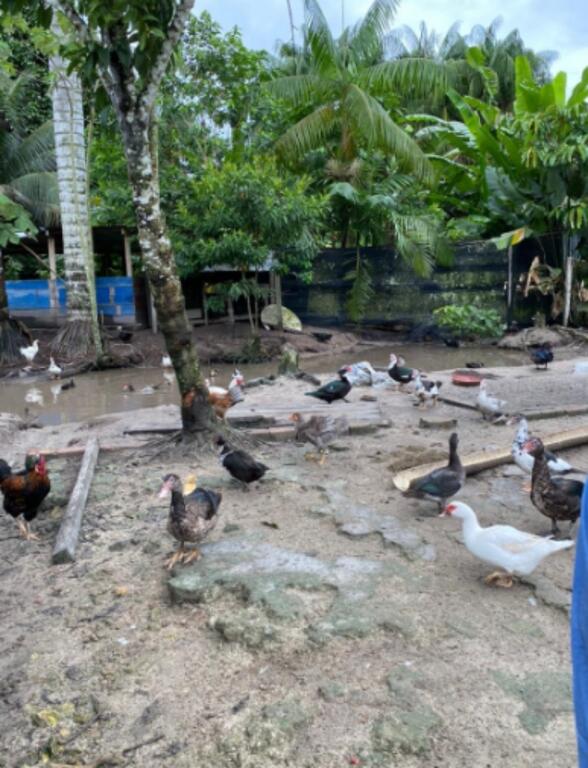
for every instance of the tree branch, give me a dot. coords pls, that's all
(70, 13)
(147, 97)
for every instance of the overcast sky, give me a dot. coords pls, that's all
(560, 25)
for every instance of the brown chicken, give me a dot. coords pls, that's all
(25, 490)
(222, 399)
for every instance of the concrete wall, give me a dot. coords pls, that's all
(44, 303)
(477, 276)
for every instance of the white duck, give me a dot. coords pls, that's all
(513, 551)
(166, 362)
(490, 406)
(30, 352)
(54, 369)
(426, 391)
(525, 461)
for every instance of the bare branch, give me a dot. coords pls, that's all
(33, 253)
(175, 29)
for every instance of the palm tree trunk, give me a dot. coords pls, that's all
(13, 334)
(80, 336)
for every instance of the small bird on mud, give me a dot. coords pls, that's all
(514, 552)
(338, 389)
(25, 490)
(441, 484)
(320, 431)
(192, 515)
(239, 464)
(558, 498)
(542, 355)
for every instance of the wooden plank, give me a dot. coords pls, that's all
(78, 450)
(549, 413)
(69, 530)
(481, 460)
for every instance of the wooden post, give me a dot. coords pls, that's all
(69, 530)
(569, 275)
(509, 292)
(151, 311)
(53, 299)
(278, 295)
(204, 304)
(127, 252)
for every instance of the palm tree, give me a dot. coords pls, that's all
(27, 179)
(343, 93)
(80, 332)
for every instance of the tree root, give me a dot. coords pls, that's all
(13, 336)
(74, 339)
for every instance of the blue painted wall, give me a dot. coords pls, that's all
(115, 296)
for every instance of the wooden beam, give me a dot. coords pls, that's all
(79, 450)
(481, 460)
(127, 254)
(69, 530)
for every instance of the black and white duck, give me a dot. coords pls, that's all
(441, 484)
(239, 464)
(338, 389)
(399, 372)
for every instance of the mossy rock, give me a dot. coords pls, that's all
(270, 316)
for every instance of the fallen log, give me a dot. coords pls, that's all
(69, 530)
(481, 460)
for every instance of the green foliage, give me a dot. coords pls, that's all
(468, 320)
(14, 222)
(242, 215)
(361, 292)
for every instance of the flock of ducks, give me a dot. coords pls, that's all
(511, 551)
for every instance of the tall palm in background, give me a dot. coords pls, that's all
(28, 180)
(343, 93)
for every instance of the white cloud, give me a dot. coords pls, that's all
(544, 24)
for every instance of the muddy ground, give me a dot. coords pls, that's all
(330, 622)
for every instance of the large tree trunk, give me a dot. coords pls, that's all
(160, 267)
(13, 334)
(80, 336)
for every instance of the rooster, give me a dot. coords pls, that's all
(24, 491)
(222, 399)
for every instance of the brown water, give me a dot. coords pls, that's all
(95, 394)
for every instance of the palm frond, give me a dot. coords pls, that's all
(319, 39)
(416, 240)
(420, 77)
(298, 90)
(38, 193)
(33, 154)
(375, 125)
(309, 133)
(367, 36)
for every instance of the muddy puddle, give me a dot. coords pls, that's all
(95, 394)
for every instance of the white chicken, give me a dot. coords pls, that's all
(491, 407)
(54, 369)
(513, 551)
(166, 362)
(30, 352)
(525, 461)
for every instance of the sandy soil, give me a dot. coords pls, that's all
(331, 621)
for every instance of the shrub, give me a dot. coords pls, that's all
(469, 320)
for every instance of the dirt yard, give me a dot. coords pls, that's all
(331, 621)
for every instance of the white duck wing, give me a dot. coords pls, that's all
(511, 539)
